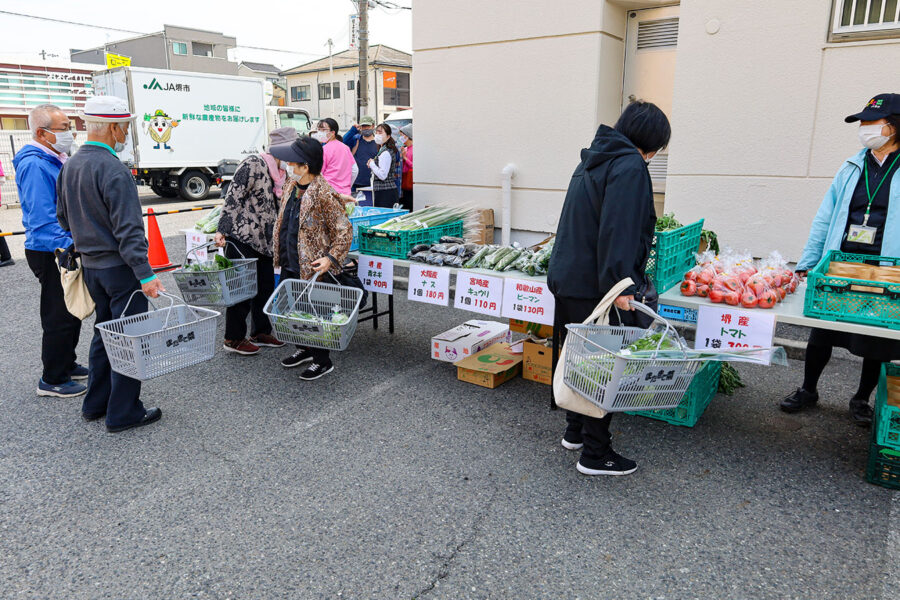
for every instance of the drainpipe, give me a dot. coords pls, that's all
(506, 186)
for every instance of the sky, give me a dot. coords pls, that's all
(301, 27)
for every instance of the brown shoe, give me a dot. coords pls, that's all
(267, 340)
(242, 347)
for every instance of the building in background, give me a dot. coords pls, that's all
(312, 87)
(25, 84)
(176, 48)
(756, 95)
(270, 73)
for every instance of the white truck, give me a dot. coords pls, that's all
(193, 128)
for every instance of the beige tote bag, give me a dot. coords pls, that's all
(75, 292)
(565, 396)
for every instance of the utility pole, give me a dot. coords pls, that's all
(363, 91)
(331, 75)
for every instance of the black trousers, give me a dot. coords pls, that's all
(593, 432)
(387, 198)
(4, 249)
(107, 391)
(61, 329)
(236, 316)
(406, 200)
(320, 355)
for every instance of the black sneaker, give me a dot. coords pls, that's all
(571, 442)
(612, 464)
(302, 355)
(798, 401)
(860, 412)
(316, 370)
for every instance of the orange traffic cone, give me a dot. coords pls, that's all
(159, 258)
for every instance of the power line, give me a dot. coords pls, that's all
(88, 25)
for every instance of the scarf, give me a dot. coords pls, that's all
(277, 174)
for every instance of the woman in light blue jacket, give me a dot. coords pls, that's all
(861, 215)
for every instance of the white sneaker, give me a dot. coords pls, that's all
(570, 445)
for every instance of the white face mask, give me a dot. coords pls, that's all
(64, 141)
(120, 145)
(321, 136)
(379, 139)
(403, 139)
(870, 136)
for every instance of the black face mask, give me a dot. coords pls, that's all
(367, 132)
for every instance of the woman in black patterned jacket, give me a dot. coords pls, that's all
(248, 222)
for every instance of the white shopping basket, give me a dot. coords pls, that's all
(302, 313)
(225, 286)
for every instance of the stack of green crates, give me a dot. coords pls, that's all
(672, 255)
(884, 451)
(697, 397)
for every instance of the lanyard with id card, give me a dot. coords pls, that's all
(864, 234)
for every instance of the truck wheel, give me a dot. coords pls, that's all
(194, 186)
(163, 192)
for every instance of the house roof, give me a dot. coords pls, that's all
(261, 67)
(379, 54)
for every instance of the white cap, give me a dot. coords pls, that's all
(107, 109)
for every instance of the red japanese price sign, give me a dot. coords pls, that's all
(429, 284)
(725, 328)
(377, 274)
(479, 293)
(528, 300)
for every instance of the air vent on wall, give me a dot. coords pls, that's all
(662, 33)
(658, 167)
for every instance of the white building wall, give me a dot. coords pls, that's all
(758, 117)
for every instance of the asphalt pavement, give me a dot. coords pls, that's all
(390, 478)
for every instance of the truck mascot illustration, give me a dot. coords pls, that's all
(159, 126)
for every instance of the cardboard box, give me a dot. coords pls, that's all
(539, 331)
(467, 339)
(893, 391)
(537, 363)
(483, 233)
(490, 367)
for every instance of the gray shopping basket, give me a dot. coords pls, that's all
(209, 285)
(161, 340)
(301, 313)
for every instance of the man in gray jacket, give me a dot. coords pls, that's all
(98, 203)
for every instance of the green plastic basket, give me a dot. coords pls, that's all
(672, 255)
(852, 300)
(883, 467)
(396, 244)
(887, 426)
(698, 396)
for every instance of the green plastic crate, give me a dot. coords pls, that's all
(372, 216)
(396, 244)
(852, 300)
(887, 426)
(883, 467)
(698, 396)
(672, 255)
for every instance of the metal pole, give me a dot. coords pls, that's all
(331, 75)
(363, 92)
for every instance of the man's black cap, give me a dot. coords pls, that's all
(879, 107)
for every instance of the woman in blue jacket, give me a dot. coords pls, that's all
(860, 214)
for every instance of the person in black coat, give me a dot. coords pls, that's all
(604, 236)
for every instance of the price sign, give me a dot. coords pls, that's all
(528, 300)
(725, 328)
(429, 284)
(479, 293)
(377, 274)
(195, 239)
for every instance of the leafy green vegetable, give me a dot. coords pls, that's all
(711, 239)
(667, 222)
(729, 380)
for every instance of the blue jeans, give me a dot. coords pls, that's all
(107, 391)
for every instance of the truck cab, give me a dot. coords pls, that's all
(288, 116)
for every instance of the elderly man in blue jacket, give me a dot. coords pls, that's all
(37, 168)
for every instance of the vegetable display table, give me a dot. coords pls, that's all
(790, 312)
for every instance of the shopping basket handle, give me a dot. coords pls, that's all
(641, 307)
(149, 299)
(187, 255)
(235, 247)
(303, 293)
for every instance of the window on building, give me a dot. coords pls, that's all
(13, 123)
(399, 95)
(179, 48)
(324, 91)
(855, 19)
(201, 49)
(350, 85)
(299, 93)
(337, 90)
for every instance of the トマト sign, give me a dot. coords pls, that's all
(727, 328)
(429, 284)
(377, 274)
(479, 293)
(528, 300)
